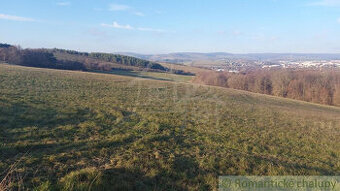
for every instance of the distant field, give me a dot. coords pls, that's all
(154, 75)
(206, 63)
(185, 68)
(68, 130)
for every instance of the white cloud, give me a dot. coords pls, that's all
(64, 3)
(338, 20)
(139, 14)
(230, 32)
(118, 26)
(97, 9)
(129, 27)
(326, 3)
(150, 29)
(159, 12)
(95, 32)
(16, 18)
(119, 7)
(221, 32)
(236, 33)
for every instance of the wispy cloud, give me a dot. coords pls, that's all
(263, 37)
(159, 12)
(118, 26)
(150, 29)
(16, 18)
(232, 32)
(339, 20)
(64, 3)
(95, 32)
(236, 33)
(326, 3)
(119, 7)
(139, 14)
(129, 27)
(97, 9)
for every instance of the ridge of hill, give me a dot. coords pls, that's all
(188, 57)
(74, 60)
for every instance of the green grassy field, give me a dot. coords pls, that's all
(66, 130)
(154, 75)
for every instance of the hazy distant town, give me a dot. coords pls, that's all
(236, 66)
(221, 61)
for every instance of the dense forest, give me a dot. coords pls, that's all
(321, 86)
(113, 58)
(73, 60)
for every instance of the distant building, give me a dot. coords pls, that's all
(234, 71)
(271, 66)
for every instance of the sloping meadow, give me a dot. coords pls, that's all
(68, 130)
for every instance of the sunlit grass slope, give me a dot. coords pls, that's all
(69, 130)
(154, 75)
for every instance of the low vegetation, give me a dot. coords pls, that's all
(69, 130)
(318, 86)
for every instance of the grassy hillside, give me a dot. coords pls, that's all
(154, 75)
(185, 68)
(68, 130)
(80, 61)
(105, 58)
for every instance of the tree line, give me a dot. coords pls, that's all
(318, 86)
(36, 58)
(114, 58)
(74, 60)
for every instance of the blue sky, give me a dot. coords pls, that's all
(162, 26)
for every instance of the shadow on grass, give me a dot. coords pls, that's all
(31, 126)
(116, 179)
(288, 164)
(20, 115)
(184, 173)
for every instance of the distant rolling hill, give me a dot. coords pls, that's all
(74, 60)
(185, 57)
(180, 57)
